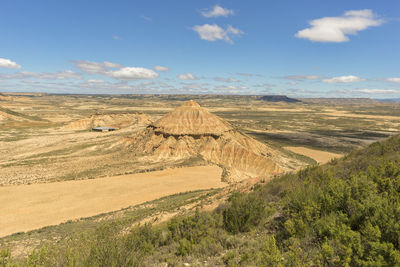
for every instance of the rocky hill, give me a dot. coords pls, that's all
(191, 131)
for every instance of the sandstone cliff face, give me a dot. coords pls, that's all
(191, 131)
(118, 120)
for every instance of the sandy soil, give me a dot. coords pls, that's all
(29, 207)
(318, 155)
(339, 114)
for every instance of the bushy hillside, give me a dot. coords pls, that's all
(345, 213)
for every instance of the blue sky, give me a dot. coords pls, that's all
(307, 48)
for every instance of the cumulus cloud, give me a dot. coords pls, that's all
(7, 63)
(60, 75)
(190, 86)
(115, 70)
(96, 81)
(302, 77)
(112, 65)
(393, 80)
(344, 79)
(214, 32)
(187, 76)
(377, 91)
(90, 67)
(227, 80)
(217, 11)
(132, 73)
(266, 86)
(337, 29)
(231, 87)
(95, 67)
(161, 68)
(248, 74)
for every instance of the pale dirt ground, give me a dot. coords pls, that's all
(29, 207)
(318, 155)
(340, 114)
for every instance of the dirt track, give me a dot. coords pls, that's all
(29, 207)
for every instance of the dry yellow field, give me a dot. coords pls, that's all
(29, 207)
(318, 155)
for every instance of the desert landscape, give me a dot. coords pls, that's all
(199, 133)
(48, 146)
(64, 177)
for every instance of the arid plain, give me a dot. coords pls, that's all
(47, 144)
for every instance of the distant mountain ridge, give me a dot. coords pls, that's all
(390, 100)
(279, 98)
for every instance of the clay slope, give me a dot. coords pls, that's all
(118, 120)
(191, 119)
(191, 131)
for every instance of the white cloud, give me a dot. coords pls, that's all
(60, 75)
(344, 79)
(121, 72)
(187, 76)
(266, 86)
(90, 67)
(7, 63)
(147, 83)
(336, 29)
(116, 37)
(132, 73)
(246, 74)
(95, 67)
(231, 87)
(96, 81)
(161, 68)
(214, 32)
(234, 31)
(217, 11)
(302, 77)
(377, 91)
(190, 86)
(146, 18)
(112, 65)
(393, 80)
(227, 80)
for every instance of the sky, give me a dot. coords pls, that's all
(308, 48)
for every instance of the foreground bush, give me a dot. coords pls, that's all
(243, 213)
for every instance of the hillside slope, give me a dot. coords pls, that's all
(191, 131)
(345, 213)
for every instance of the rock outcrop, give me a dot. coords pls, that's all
(192, 131)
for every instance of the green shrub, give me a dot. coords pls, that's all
(244, 212)
(271, 255)
(185, 247)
